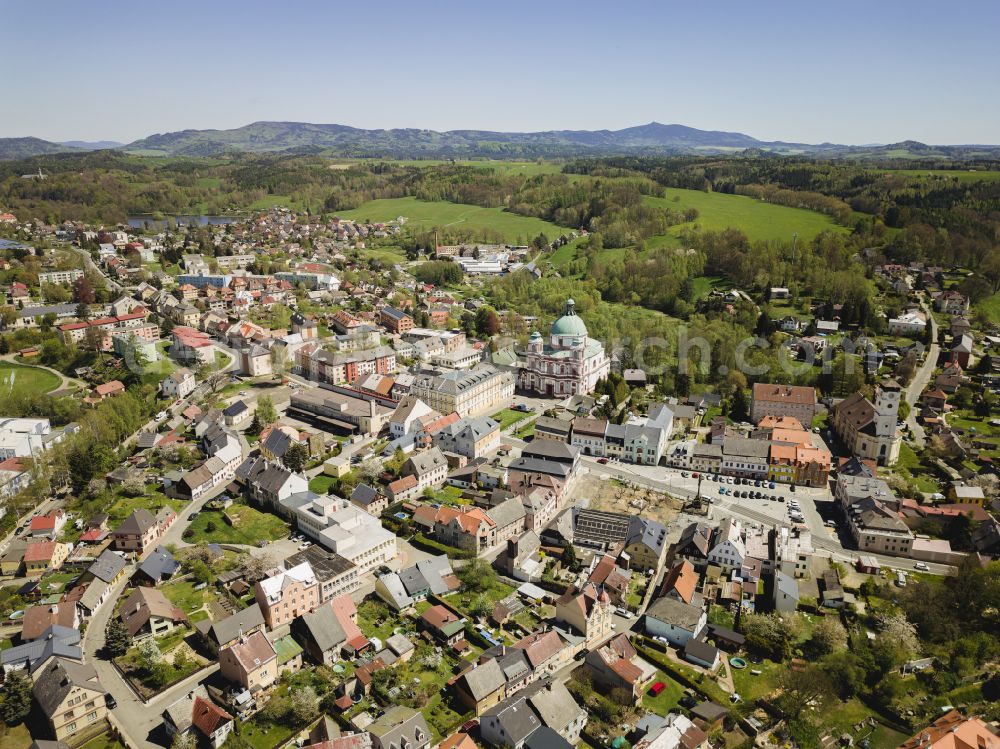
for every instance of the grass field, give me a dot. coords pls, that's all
(427, 214)
(17, 379)
(758, 220)
(509, 416)
(249, 527)
(989, 308)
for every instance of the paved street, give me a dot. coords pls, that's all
(920, 380)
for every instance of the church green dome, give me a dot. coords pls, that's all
(570, 323)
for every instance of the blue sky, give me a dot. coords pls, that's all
(846, 72)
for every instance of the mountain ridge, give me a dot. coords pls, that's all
(652, 139)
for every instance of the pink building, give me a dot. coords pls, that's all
(287, 594)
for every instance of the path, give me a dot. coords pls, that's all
(89, 263)
(920, 381)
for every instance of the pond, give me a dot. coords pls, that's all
(141, 222)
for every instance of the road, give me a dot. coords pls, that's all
(93, 267)
(138, 720)
(826, 540)
(920, 381)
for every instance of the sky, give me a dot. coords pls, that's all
(878, 71)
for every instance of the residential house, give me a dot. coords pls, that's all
(287, 594)
(330, 632)
(429, 468)
(140, 530)
(675, 620)
(415, 583)
(588, 612)
(785, 593)
(613, 666)
(400, 728)
(146, 612)
(251, 662)
(445, 626)
(70, 697)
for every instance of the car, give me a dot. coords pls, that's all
(303, 547)
(688, 701)
(791, 487)
(830, 524)
(243, 392)
(161, 415)
(470, 724)
(756, 483)
(695, 475)
(602, 461)
(722, 490)
(581, 655)
(922, 567)
(684, 474)
(657, 688)
(781, 499)
(772, 486)
(110, 701)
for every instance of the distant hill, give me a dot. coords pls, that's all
(23, 148)
(92, 145)
(652, 139)
(300, 137)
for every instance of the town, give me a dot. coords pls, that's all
(262, 490)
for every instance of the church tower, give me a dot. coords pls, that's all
(887, 397)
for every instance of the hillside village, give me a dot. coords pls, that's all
(284, 489)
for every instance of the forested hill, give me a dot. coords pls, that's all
(654, 139)
(651, 139)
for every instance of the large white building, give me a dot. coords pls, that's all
(343, 528)
(23, 438)
(570, 363)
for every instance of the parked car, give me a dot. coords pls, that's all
(657, 688)
(602, 461)
(921, 566)
(110, 701)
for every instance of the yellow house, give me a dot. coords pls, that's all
(70, 696)
(44, 555)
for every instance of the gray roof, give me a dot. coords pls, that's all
(516, 718)
(507, 513)
(534, 465)
(671, 611)
(648, 532)
(398, 723)
(235, 409)
(364, 495)
(61, 642)
(323, 627)
(701, 650)
(137, 523)
(228, 629)
(326, 565)
(785, 585)
(427, 461)
(159, 565)
(555, 705)
(107, 566)
(547, 738)
(277, 442)
(484, 679)
(59, 678)
(746, 447)
(551, 450)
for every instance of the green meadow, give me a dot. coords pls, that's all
(758, 220)
(428, 214)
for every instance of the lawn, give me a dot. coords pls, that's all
(262, 735)
(754, 686)
(321, 483)
(666, 700)
(910, 467)
(423, 215)
(841, 718)
(152, 500)
(183, 595)
(756, 219)
(375, 617)
(18, 379)
(705, 284)
(450, 495)
(249, 527)
(508, 417)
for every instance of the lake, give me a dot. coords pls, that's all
(140, 222)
